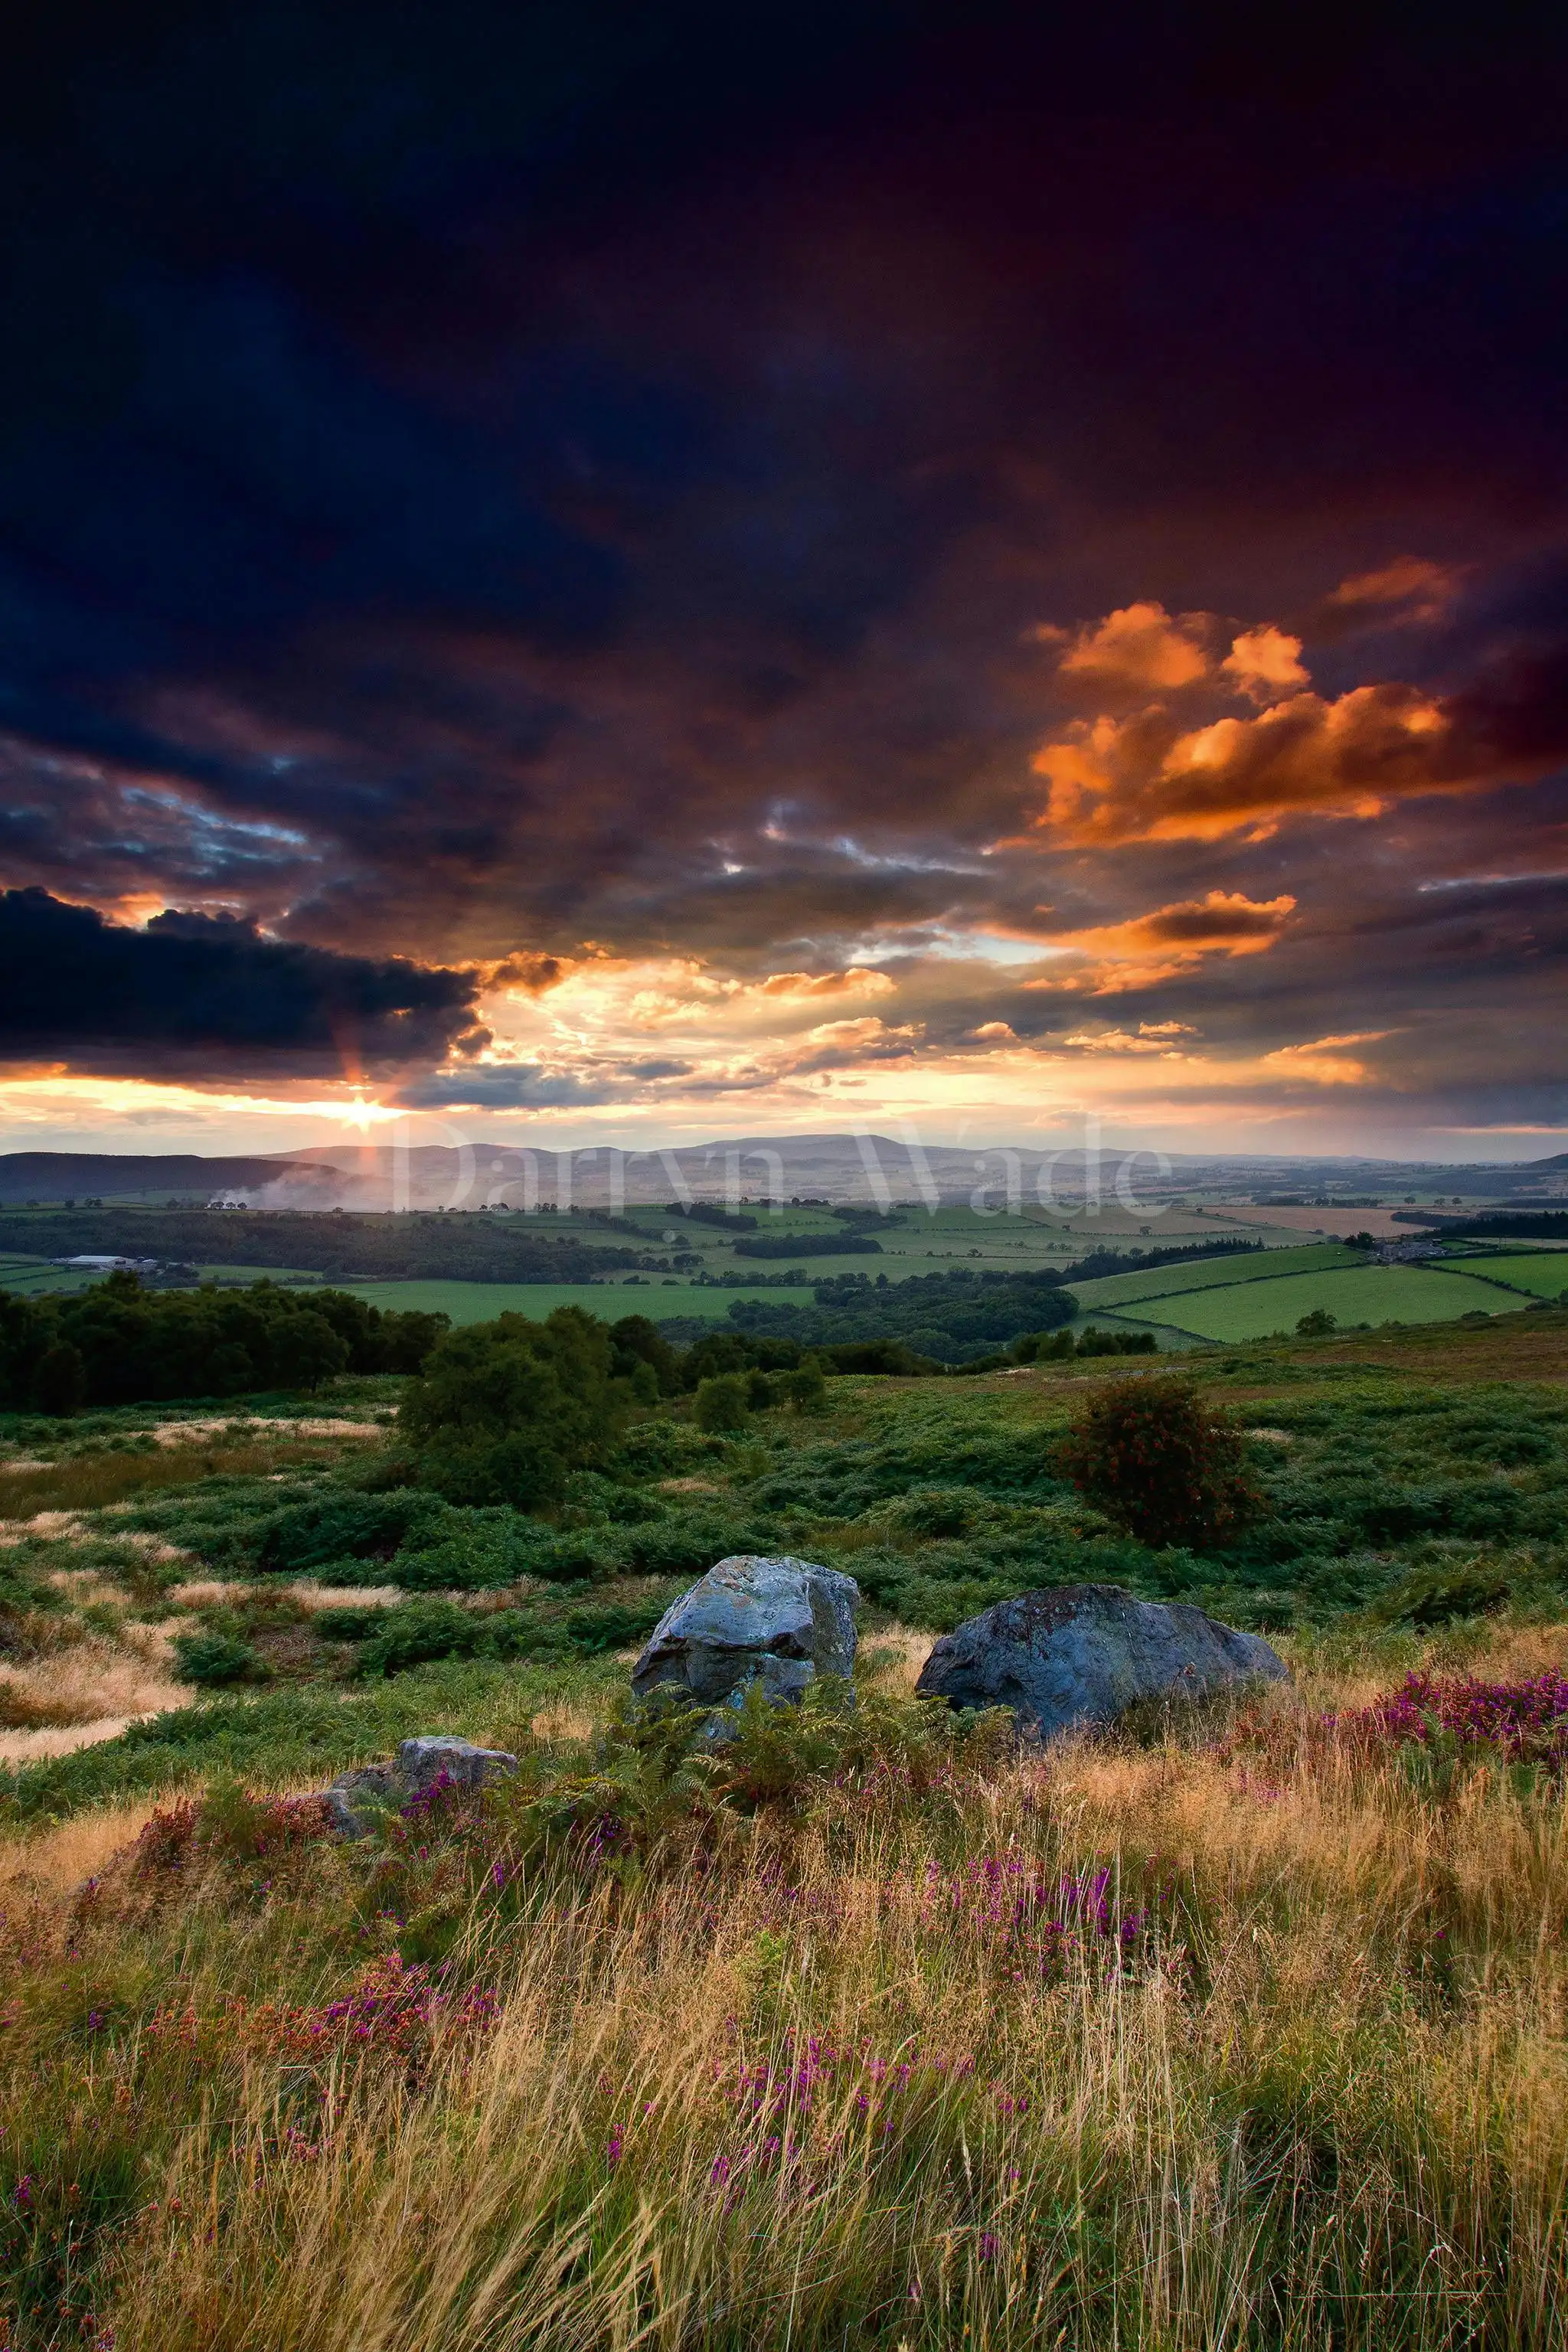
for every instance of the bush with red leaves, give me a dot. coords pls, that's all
(1162, 1462)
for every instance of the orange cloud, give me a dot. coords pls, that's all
(1225, 922)
(1144, 779)
(1139, 646)
(1265, 662)
(860, 980)
(1324, 1061)
(1124, 1041)
(868, 1031)
(1424, 590)
(1167, 942)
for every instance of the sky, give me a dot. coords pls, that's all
(584, 571)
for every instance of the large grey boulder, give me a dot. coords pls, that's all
(356, 1797)
(1084, 1653)
(777, 1621)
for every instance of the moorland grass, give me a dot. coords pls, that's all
(1409, 1478)
(1249, 2036)
(1244, 2030)
(94, 1482)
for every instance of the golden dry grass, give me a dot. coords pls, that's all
(88, 1482)
(38, 1745)
(247, 1428)
(88, 1679)
(57, 1861)
(1081, 2169)
(1319, 2102)
(892, 1658)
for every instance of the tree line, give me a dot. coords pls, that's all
(418, 1245)
(117, 1343)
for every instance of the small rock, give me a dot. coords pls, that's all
(350, 1799)
(1083, 1654)
(777, 1621)
(354, 1797)
(423, 1761)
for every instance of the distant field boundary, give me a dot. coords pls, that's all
(1326, 1257)
(1307, 1289)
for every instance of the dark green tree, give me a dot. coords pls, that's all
(636, 1340)
(306, 1351)
(504, 1410)
(59, 1380)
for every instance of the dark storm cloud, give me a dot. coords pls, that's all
(208, 996)
(476, 482)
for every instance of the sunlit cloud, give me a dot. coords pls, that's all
(1141, 646)
(1145, 779)
(42, 1100)
(858, 980)
(1326, 1061)
(1265, 664)
(1409, 590)
(1168, 941)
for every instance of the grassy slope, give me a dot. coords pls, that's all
(1379, 1294)
(1487, 1480)
(1112, 1290)
(827, 2072)
(864, 2075)
(1544, 1272)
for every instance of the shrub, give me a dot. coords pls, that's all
(504, 1410)
(1436, 1596)
(893, 1357)
(1045, 1347)
(804, 1388)
(722, 1403)
(1094, 1341)
(640, 1345)
(1161, 1463)
(1056, 1346)
(418, 1630)
(348, 1624)
(472, 1551)
(1317, 1325)
(306, 1351)
(736, 1351)
(616, 1625)
(213, 1659)
(348, 1525)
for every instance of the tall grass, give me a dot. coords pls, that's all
(1254, 2040)
(92, 1482)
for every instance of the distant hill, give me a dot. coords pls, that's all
(68, 1175)
(870, 1171)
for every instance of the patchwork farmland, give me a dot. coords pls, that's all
(1230, 1300)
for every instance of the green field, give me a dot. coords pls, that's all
(1371, 1294)
(1118, 1290)
(481, 1302)
(290, 1273)
(1543, 1273)
(917, 1240)
(35, 1277)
